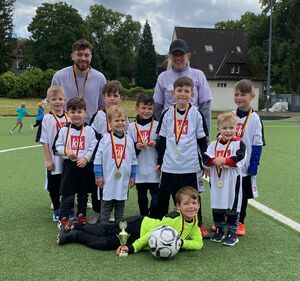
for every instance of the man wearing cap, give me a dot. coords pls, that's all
(179, 58)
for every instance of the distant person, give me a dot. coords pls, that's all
(143, 133)
(225, 156)
(22, 111)
(81, 80)
(39, 116)
(179, 56)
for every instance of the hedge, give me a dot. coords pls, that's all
(33, 83)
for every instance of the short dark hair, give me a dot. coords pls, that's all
(189, 191)
(113, 86)
(183, 81)
(76, 103)
(82, 44)
(145, 99)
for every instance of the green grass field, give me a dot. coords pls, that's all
(270, 251)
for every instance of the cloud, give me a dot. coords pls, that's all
(163, 15)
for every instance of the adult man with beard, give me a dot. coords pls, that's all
(81, 79)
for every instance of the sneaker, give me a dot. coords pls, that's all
(55, 215)
(10, 131)
(241, 229)
(230, 240)
(62, 223)
(72, 214)
(81, 218)
(213, 228)
(93, 219)
(112, 217)
(204, 232)
(218, 236)
(89, 205)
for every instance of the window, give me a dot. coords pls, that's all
(235, 69)
(208, 48)
(222, 85)
(211, 67)
(238, 48)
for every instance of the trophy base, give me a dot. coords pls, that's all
(123, 255)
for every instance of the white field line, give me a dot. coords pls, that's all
(273, 214)
(20, 148)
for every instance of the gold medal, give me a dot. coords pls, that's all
(118, 175)
(220, 183)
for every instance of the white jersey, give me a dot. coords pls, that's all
(100, 125)
(49, 129)
(147, 158)
(80, 141)
(229, 195)
(115, 188)
(252, 135)
(181, 158)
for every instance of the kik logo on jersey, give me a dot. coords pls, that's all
(119, 151)
(62, 124)
(239, 129)
(75, 143)
(144, 135)
(220, 153)
(184, 128)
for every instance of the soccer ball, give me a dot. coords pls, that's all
(164, 242)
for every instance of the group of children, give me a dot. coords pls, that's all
(110, 155)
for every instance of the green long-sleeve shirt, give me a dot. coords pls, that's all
(190, 233)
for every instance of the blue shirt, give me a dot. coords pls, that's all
(40, 113)
(21, 112)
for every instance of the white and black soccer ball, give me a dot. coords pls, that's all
(164, 242)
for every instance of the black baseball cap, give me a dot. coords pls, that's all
(178, 45)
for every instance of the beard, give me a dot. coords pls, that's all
(82, 66)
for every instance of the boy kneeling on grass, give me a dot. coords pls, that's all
(104, 236)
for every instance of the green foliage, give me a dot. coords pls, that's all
(146, 60)
(6, 30)
(54, 28)
(133, 92)
(115, 37)
(7, 82)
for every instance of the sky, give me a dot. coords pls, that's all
(163, 15)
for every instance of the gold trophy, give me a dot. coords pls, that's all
(123, 237)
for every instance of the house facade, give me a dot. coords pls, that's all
(222, 55)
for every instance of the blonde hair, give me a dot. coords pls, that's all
(23, 104)
(188, 191)
(55, 91)
(115, 111)
(39, 105)
(226, 117)
(245, 86)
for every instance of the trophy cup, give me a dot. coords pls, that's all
(123, 237)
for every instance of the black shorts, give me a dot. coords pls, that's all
(53, 182)
(247, 187)
(77, 180)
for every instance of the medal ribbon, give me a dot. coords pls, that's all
(219, 171)
(182, 225)
(117, 161)
(76, 83)
(241, 134)
(139, 132)
(178, 132)
(67, 139)
(57, 120)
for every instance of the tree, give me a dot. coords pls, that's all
(146, 60)
(6, 31)
(54, 29)
(115, 38)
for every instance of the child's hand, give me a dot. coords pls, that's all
(50, 166)
(131, 182)
(71, 155)
(81, 162)
(100, 182)
(152, 143)
(158, 169)
(219, 161)
(122, 249)
(140, 146)
(206, 172)
(225, 166)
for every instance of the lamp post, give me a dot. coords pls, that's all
(269, 57)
